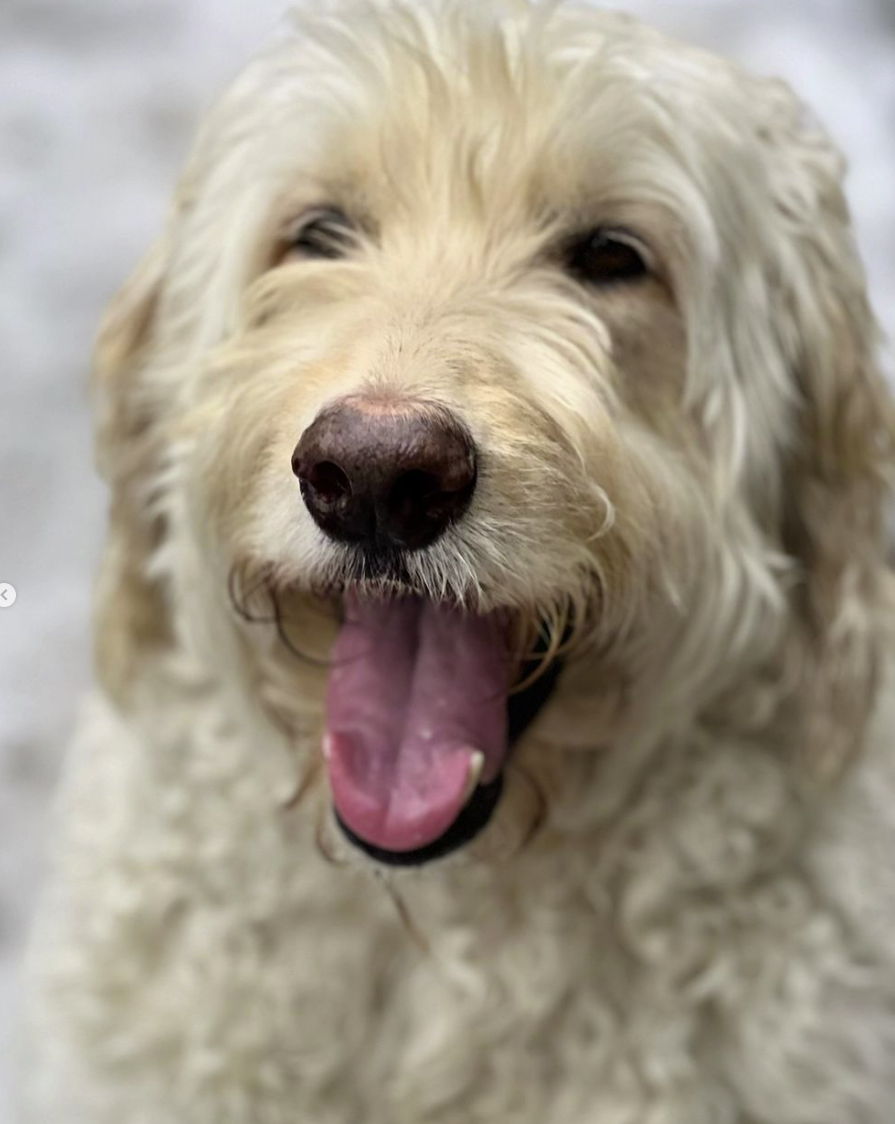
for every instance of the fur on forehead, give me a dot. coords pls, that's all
(512, 111)
(520, 119)
(508, 112)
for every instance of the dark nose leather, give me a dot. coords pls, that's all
(385, 472)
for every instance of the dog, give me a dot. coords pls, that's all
(494, 635)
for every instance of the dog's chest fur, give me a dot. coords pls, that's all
(630, 972)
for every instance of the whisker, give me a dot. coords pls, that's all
(323, 847)
(286, 639)
(239, 597)
(540, 817)
(404, 916)
(304, 785)
(547, 641)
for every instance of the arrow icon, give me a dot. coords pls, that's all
(7, 595)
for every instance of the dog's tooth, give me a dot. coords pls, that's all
(476, 765)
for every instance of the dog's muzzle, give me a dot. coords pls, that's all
(419, 713)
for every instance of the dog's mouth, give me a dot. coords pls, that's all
(418, 724)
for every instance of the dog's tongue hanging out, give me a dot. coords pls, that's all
(416, 692)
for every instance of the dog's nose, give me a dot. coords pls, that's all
(385, 472)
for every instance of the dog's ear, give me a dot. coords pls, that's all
(131, 615)
(124, 335)
(841, 466)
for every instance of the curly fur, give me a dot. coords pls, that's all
(682, 912)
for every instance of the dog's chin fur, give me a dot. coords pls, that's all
(681, 912)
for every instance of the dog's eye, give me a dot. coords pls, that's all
(324, 233)
(607, 257)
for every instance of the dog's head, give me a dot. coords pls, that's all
(474, 325)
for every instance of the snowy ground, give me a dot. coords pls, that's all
(98, 99)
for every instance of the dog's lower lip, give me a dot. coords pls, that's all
(474, 817)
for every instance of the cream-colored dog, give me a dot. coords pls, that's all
(498, 466)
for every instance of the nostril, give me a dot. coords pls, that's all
(420, 501)
(417, 486)
(414, 493)
(329, 481)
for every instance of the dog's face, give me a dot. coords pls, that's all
(469, 327)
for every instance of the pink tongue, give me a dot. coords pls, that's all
(415, 689)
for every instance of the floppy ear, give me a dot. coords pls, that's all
(839, 472)
(124, 333)
(131, 615)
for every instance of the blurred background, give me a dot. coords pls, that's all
(98, 101)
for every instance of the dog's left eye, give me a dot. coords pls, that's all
(324, 233)
(607, 257)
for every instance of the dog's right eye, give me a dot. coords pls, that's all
(323, 233)
(605, 257)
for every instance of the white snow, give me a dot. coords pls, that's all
(98, 99)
